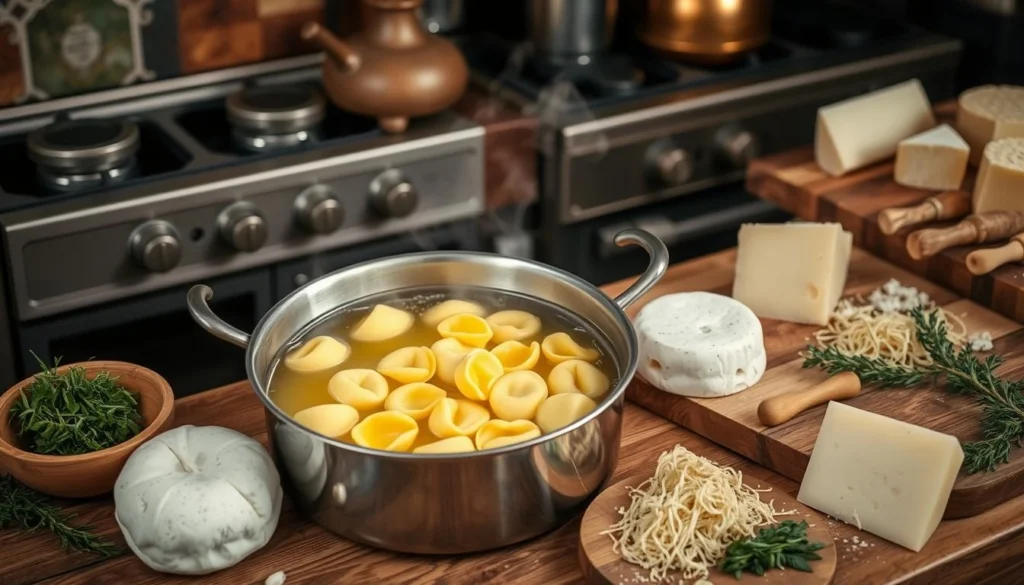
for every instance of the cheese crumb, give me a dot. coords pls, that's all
(980, 341)
(275, 579)
(894, 297)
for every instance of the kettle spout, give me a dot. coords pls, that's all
(346, 59)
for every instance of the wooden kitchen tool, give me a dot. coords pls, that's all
(779, 409)
(985, 261)
(603, 566)
(946, 205)
(974, 229)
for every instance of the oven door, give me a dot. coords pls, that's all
(155, 331)
(690, 226)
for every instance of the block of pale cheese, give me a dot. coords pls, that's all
(988, 113)
(1000, 182)
(793, 271)
(934, 159)
(700, 344)
(882, 475)
(859, 131)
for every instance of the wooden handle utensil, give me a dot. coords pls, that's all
(946, 205)
(779, 409)
(974, 229)
(984, 261)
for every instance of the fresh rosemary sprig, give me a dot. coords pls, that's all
(964, 373)
(25, 509)
(775, 547)
(69, 414)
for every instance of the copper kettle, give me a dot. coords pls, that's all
(392, 69)
(706, 31)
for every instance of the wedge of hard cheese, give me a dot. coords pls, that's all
(793, 272)
(934, 159)
(859, 131)
(1000, 183)
(885, 476)
(990, 112)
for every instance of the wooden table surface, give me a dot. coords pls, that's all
(985, 548)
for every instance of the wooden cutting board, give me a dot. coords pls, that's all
(793, 181)
(603, 566)
(732, 421)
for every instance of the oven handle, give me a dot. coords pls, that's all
(198, 306)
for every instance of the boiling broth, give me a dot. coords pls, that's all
(295, 391)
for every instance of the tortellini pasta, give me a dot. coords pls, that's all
(441, 311)
(449, 445)
(517, 395)
(448, 353)
(559, 347)
(416, 400)
(382, 323)
(562, 410)
(359, 388)
(499, 433)
(408, 365)
(469, 329)
(320, 353)
(476, 373)
(453, 418)
(388, 431)
(514, 356)
(578, 376)
(329, 420)
(513, 325)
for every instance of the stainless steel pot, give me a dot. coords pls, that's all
(456, 503)
(570, 29)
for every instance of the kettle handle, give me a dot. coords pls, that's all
(655, 269)
(198, 306)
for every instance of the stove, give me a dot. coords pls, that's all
(630, 137)
(112, 204)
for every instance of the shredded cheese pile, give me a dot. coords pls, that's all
(685, 517)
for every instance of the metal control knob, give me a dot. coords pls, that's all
(391, 195)
(155, 246)
(735, 146)
(318, 210)
(669, 163)
(242, 226)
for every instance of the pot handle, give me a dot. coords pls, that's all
(198, 298)
(655, 270)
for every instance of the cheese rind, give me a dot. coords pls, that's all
(934, 159)
(1000, 183)
(700, 344)
(859, 131)
(888, 477)
(987, 113)
(793, 272)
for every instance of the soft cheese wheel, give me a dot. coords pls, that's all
(990, 112)
(859, 131)
(317, 354)
(329, 420)
(1000, 183)
(936, 159)
(441, 311)
(381, 324)
(700, 344)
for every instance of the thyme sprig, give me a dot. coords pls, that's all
(775, 547)
(1002, 401)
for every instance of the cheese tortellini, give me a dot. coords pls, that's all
(513, 325)
(441, 311)
(559, 347)
(469, 329)
(517, 395)
(476, 373)
(330, 420)
(359, 388)
(454, 418)
(514, 356)
(562, 410)
(383, 323)
(408, 365)
(416, 400)
(388, 431)
(448, 353)
(449, 445)
(578, 376)
(499, 433)
(320, 353)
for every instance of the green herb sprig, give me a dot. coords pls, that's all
(1002, 423)
(781, 546)
(25, 509)
(69, 414)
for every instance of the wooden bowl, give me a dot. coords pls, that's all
(88, 474)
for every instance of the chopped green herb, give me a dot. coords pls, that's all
(781, 546)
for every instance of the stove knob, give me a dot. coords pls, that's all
(391, 195)
(736, 146)
(242, 226)
(669, 163)
(318, 210)
(155, 246)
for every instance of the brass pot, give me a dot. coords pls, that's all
(706, 31)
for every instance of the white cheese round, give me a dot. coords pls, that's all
(700, 344)
(194, 500)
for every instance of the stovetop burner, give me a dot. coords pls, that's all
(72, 155)
(272, 117)
(603, 75)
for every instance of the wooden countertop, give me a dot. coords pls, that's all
(989, 547)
